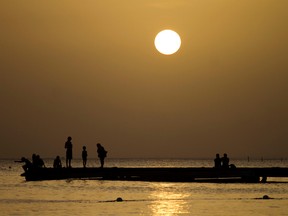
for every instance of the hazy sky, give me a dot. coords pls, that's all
(89, 69)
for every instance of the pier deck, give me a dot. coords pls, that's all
(168, 174)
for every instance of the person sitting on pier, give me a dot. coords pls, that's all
(41, 163)
(57, 162)
(84, 156)
(225, 161)
(217, 161)
(37, 161)
(34, 160)
(102, 153)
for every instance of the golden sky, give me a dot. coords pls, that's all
(89, 69)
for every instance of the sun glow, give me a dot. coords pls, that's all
(167, 42)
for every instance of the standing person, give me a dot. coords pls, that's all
(217, 161)
(68, 147)
(225, 161)
(102, 153)
(84, 156)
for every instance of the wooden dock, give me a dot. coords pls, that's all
(158, 174)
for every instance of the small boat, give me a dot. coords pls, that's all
(166, 174)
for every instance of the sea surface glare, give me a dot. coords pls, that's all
(99, 197)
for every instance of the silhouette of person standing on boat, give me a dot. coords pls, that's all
(57, 163)
(102, 153)
(84, 156)
(225, 161)
(68, 147)
(217, 161)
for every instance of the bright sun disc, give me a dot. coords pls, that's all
(167, 42)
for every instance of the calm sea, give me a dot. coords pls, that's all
(94, 197)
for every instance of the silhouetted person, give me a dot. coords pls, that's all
(217, 161)
(84, 156)
(57, 162)
(27, 164)
(34, 160)
(40, 162)
(102, 153)
(225, 161)
(68, 147)
(37, 161)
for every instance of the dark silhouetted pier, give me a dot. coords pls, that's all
(158, 174)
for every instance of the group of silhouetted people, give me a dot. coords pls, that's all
(102, 153)
(37, 162)
(221, 162)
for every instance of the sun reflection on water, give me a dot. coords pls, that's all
(167, 201)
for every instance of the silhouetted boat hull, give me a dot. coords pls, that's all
(158, 174)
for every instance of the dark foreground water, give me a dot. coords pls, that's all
(92, 197)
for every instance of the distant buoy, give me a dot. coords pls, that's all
(119, 199)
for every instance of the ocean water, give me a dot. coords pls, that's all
(94, 197)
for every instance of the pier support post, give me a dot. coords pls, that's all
(263, 179)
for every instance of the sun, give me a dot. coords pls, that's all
(167, 42)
